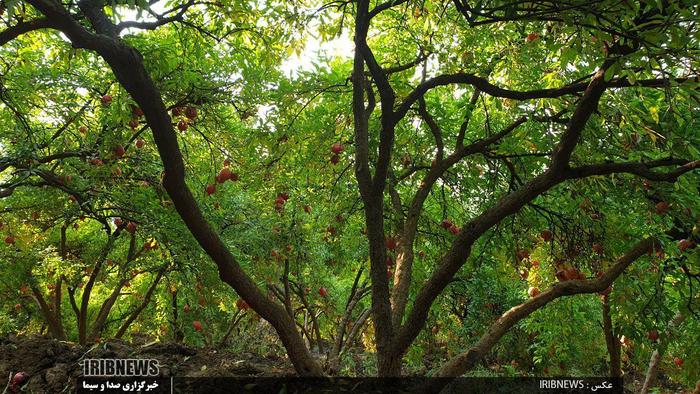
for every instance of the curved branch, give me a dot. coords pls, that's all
(460, 250)
(433, 126)
(404, 260)
(583, 111)
(160, 21)
(385, 6)
(146, 300)
(407, 66)
(641, 169)
(128, 67)
(496, 91)
(15, 31)
(465, 361)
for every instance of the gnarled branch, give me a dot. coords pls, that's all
(465, 361)
(17, 30)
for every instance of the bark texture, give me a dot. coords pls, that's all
(612, 342)
(128, 67)
(658, 353)
(467, 360)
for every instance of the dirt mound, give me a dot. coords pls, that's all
(53, 365)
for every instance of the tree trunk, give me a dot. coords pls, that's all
(128, 67)
(467, 360)
(372, 189)
(355, 297)
(103, 313)
(658, 353)
(54, 327)
(87, 289)
(146, 300)
(402, 275)
(311, 315)
(388, 362)
(177, 332)
(611, 340)
(108, 304)
(235, 319)
(58, 297)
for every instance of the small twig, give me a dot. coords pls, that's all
(9, 381)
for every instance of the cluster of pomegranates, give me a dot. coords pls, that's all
(225, 174)
(449, 226)
(336, 149)
(130, 226)
(281, 200)
(391, 244)
(186, 115)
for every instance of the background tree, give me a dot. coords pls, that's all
(557, 154)
(505, 155)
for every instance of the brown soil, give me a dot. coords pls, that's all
(53, 366)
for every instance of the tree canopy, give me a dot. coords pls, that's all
(461, 184)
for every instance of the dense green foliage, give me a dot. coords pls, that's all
(274, 130)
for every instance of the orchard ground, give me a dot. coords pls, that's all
(53, 366)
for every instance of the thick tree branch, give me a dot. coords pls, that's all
(372, 188)
(460, 250)
(387, 98)
(385, 6)
(15, 31)
(465, 361)
(404, 257)
(362, 318)
(432, 126)
(146, 300)
(584, 110)
(496, 91)
(361, 119)
(105, 308)
(98, 19)
(127, 65)
(160, 20)
(641, 169)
